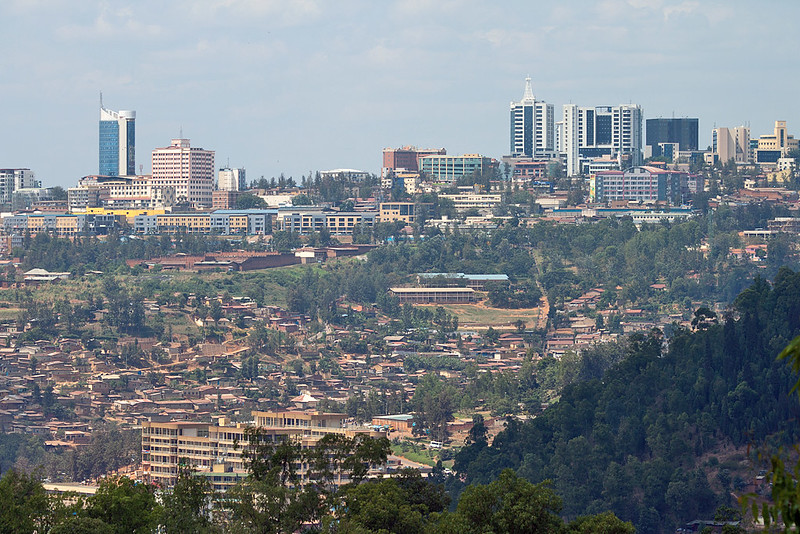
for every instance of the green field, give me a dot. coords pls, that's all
(415, 453)
(480, 316)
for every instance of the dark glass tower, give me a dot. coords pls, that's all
(682, 131)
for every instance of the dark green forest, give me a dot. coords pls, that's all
(634, 442)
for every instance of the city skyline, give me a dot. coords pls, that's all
(293, 87)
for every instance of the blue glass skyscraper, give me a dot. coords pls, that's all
(117, 142)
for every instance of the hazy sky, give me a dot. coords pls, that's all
(278, 86)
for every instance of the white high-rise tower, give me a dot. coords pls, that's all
(532, 126)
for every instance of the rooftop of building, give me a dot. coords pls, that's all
(432, 289)
(476, 277)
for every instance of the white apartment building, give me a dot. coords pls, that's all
(231, 179)
(136, 192)
(189, 170)
(15, 179)
(479, 201)
(139, 193)
(351, 175)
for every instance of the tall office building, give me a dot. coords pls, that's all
(189, 170)
(117, 142)
(532, 126)
(593, 132)
(231, 179)
(731, 144)
(681, 130)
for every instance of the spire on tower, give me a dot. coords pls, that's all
(528, 90)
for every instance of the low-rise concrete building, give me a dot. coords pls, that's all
(434, 295)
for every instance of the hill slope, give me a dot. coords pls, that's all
(631, 442)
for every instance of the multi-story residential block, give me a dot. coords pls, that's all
(189, 170)
(682, 131)
(222, 222)
(15, 179)
(125, 216)
(351, 175)
(409, 180)
(231, 179)
(23, 199)
(731, 144)
(60, 225)
(125, 192)
(789, 225)
(593, 132)
(480, 201)
(642, 184)
(406, 158)
(313, 219)
(522, 171)
(397, 211)
(206, 445)
(532, 126)
(117, 142)
(451, 168)
(224, 200)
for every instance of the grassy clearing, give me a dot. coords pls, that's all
(9, 313)
(479, 316)
(415, 453)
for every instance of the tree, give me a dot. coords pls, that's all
(785, 482)
(778, 250)
(272, 500)
(301, 200)
(338, 462)
(58, 193)
(250, 201)
(215, 311)
(492, 336)
(186, 504)
(268, 501)
(250, 367)
(285, 241)
(79, 524)
(434, 402)
(507, 505)
(401, 504)
(24, 504)
(125, 505)
(605, 523)
(703, 318)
